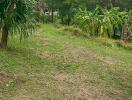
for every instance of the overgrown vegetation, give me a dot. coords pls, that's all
(105, 23)
(108, 19)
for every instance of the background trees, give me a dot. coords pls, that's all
(67, 8)
(106, 19)
(123, 4)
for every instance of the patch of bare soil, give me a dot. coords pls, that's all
(61, 86)
(106, 60)
(89, 93)
(5, 77)
(73, 54)
(77, 55)
(78, 89)
(85, 55)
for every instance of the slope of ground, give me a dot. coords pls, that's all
(55, 65)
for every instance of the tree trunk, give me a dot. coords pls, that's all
(52, 15)
(5, 29)
(68, 20)
(4, 38)
(52, 11)
(62, 20)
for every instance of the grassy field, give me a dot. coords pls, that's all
(52, 64)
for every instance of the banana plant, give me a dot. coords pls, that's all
(102, 22)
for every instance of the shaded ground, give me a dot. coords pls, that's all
(54, 65)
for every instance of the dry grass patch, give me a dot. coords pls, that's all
(5, 77)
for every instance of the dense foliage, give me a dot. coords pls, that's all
(103, 22)
(67, 8)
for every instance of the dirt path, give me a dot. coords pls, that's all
(59, 85)
(60, 70)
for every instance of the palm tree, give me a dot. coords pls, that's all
(15, 17)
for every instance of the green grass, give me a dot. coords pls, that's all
(55, 65)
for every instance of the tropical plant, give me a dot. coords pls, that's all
(102, 22)
(15, 17)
